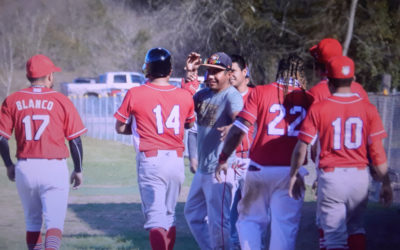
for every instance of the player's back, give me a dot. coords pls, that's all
(321, 91)
(160, 113)
(39, 116)
(345, 124)
(279, 116)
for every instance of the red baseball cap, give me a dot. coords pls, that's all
(340, 67)
(39, 66)
(326, 49)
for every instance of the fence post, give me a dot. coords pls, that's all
(386, 83)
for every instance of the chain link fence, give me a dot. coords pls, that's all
(97, 115)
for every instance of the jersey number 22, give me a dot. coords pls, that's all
(291, 129)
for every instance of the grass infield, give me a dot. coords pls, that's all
(105, 212)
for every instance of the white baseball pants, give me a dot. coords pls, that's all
(207, 209)
(342, 200)
(266, 201)
(160, 179)
(240, 175)
(43, 188)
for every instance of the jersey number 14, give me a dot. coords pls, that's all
(172, 121)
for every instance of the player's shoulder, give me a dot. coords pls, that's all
(369, 106)
(183, 95)
(265, 87)
(320, 88)
(203, 93)
(356, 85)
(233, 91)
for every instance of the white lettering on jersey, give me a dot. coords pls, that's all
(37, 104)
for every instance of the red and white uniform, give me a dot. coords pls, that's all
(278, 120)
(42, 118)
(158, 115)
(321, 91)
(346, 125)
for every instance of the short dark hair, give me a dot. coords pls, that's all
(32, 80)
(336, 82)
(239, 60)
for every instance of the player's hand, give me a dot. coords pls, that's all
(239, 169)
(76, 179)
(193, 62)
(193, 165)
(386, 194)
(191, 76)
(11, 172)
(224, 131)
(296, 187)
(221, 167)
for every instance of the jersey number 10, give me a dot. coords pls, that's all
(352, 137)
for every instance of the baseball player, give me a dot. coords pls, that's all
(349, 127)
(156, 113)
(238, 80)
(278, 110)
(322, 52)
(41, 119)
(207, 209)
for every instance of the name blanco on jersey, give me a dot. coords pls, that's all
(34, 104)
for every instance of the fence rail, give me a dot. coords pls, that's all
(97, 115)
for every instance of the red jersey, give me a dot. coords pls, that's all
(42, 119)
(345, 124)
(248, 138)
(278, 122)
(159, 114)
(321, 91)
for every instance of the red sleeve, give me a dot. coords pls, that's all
(250, 110)
(309, 130)
(376, 130)
(73, 125)
(377, 153)
(190, 86)
(191, 116)
(123, 113)
(6, 121)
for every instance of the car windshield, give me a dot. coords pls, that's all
(120, 78)
(137, 79)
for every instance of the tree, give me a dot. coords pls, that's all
(6, 64)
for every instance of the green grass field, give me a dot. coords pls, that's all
(105, 212)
